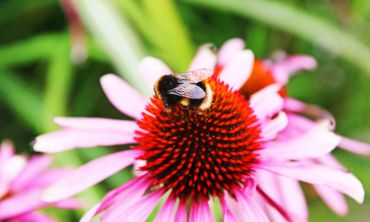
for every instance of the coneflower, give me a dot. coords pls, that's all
(190, 158)
(22, 183)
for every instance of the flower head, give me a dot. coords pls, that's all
(22, 183)
(302, 118)
(193, 157)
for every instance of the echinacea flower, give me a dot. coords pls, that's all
(301, 118)
(22, 183)
(190, 158)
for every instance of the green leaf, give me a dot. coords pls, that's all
(22, 99)
(9, 10)
(172, 37)
(58, 80)
(160, 24)
(28, 51)
(116, 37)
(300, 23)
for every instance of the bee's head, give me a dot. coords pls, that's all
(163, 85)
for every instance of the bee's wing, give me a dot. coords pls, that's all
(194, 76)
(190, 91)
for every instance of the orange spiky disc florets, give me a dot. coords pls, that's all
(197, 154)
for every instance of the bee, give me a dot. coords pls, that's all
(190, 89)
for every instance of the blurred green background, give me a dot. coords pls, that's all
(52, 54)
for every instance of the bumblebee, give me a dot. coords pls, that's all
(190, 89)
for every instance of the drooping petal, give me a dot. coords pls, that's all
(20, 203)
(204, 59)
(238, 69)
(280, 189)
(123, 96)
(266, 102)
(69, 204)
(249, 209)
(228, 49)
(284, 69)
(152, 69)
(338, 180)
(130, 193)
(69, 138)
(181, 212)
(354, 146)
(32, 217)
(227, 211)
(96, 124)
(167, 211)
(138, 212)
(90, 214)
(273, 127)
(6, 151)
(9, 171)
(35, 167)
(200, 212)
(333, 199)
(317, 142)
(90, 174)
(47, 178)
(330, 161)
(294, 105)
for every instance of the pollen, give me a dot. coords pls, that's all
(200, 154)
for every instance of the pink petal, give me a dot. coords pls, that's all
(293, 105)
(35, 167)
(274, 126)
(228, 49)
(69, 204)
(152, 69)
(354, 146)
(316, 142)
(333, 199)
(204, 59)
(20, 204)
(266, 102)
(130, 193)
(90, 174)
(32, 217)
(6, 151)
(138, 212)
(181, 212)
(200, 212)
(167, 212)
(96, 124)
(283, 70)
(238, 69)
(123, 96)
(90, 214)
(249, 209)
(11, 169)
(280, 189)
(227, 211)
(47, 178)
(336, 179)
(330, 161)
(124, 197)
(69, 138)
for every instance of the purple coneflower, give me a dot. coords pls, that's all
(191, 159)
(22, 183)
(301, 118)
